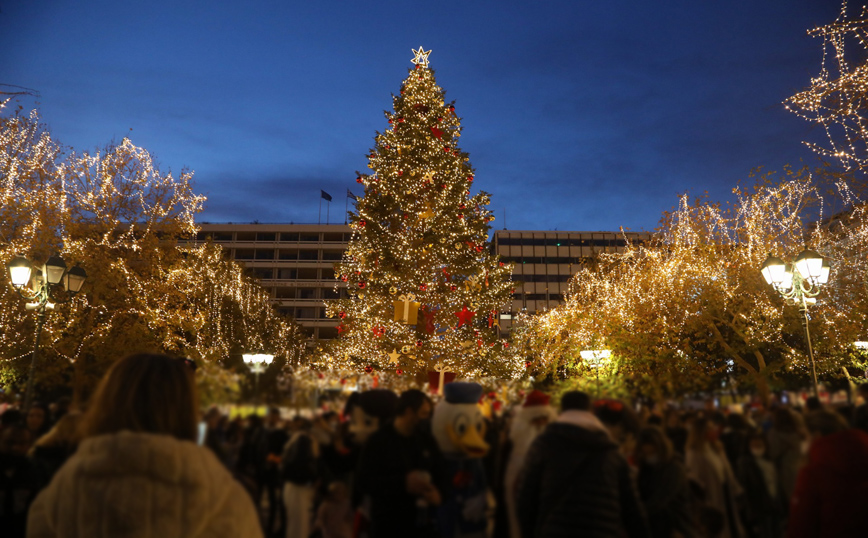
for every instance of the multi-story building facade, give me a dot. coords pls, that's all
(295, 262)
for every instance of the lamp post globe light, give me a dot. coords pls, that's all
(799, 284)
(596, 359)
(257, 363)
(43, 284)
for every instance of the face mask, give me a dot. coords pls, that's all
(758, 452)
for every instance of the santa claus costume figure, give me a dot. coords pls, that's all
(529, 421)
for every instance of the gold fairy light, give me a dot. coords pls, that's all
(116, 214)
(419, 231)
(837, 96)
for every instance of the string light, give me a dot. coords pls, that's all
(419, 248)
(115, 213)
(677, 310)
(836, 97)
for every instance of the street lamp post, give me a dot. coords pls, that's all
(596, 359)
(40, 295)
(799, 284)
(258, 363)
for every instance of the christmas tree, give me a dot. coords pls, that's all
(425, 291)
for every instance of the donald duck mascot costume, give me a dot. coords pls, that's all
(459, 428)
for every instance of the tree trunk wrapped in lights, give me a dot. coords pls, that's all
(421, 278)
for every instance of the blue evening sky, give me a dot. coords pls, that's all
(577, 115)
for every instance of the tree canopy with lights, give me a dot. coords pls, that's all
(117, 215)
(689, 310)
(837, 99)
(425, 291)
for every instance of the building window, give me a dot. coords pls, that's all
(308, 255)
(331, 237)
(308, 274)
(332, 255)
(328, 333)
(291, 237)
(288, 254)
(265, 254)
(284, 292)
(287, 274)
(262, 273)
(266, 236)
(245, 236)
(244, 253)
(308, 293)
(309, 237)
(307, 312)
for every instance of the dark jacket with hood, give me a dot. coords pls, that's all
(575, 482)
(830, 494)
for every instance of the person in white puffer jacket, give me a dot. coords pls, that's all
(138, 471)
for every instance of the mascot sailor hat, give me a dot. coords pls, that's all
(458, 424)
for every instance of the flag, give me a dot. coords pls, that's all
(324, 194)
(351, 195)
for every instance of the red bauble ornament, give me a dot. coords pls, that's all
(506, 344)
(460, 216)
(418, 343)
(437, 132)
(423, 287)
(342, 315)
(320, 376)
(344, 278)
(462, 206)
(401, 120)
(452, 108)
(373, 155)
(470, 179)
(369, 369)
(440, 120)
(399, 371)
(390, 121)
(500, 264)
(358, 180)
(362, 285)
(527, 364)
(443, 186)
(446, 149)
(479, 248)
(362, 223)
(453, 288)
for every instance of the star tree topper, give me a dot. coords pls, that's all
(421, 58)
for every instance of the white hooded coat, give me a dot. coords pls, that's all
(131, 485)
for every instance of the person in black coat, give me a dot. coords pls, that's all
(575, 482)
(663, 485)
(763, 506)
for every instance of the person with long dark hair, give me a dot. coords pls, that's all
(138, 470)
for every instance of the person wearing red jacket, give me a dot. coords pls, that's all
(831, 488)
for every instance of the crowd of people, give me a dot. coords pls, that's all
(142, 459)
